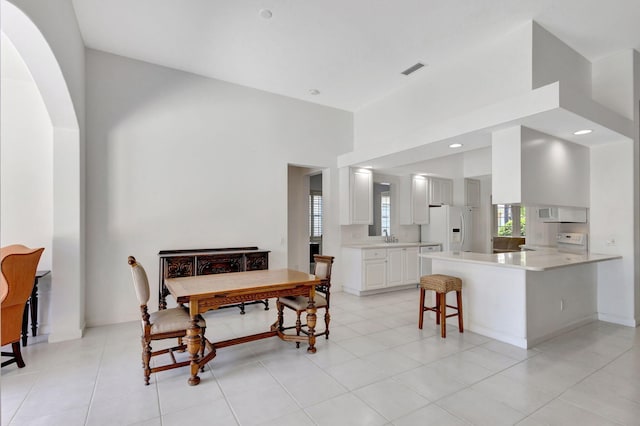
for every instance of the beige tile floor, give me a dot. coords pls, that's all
(377, 369)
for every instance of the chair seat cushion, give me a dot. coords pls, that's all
(172, 319)
(300, 303)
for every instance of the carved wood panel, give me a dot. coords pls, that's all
(208, 304)
(257, 261)
(220, 264)
(179, 266)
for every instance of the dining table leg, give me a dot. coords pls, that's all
(194, 340)
(311, 323)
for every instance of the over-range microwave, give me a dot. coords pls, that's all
(562, 214)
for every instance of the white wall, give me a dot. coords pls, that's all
(506, 181)
(477, 162)
(26, 157)
(612, 218)
(616, 84)
(492, 71)
(554, 61)
(483, 218)
(554, 171)
(56, 19)
(537, 169)
(175, 160)
(636, 180)
(613, 82)
(48, 38)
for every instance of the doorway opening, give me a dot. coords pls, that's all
(305, 217)
(315, 218)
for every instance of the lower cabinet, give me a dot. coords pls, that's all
(371, 270)
(374, 273)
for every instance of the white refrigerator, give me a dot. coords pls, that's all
(451, 226)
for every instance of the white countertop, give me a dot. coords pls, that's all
(389, 245)
(529, 260)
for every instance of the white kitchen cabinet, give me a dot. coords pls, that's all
(472, 192)
(395, 264)
(447, 191)
(356, 196)
(411, 265)
(414, 200)
(372, 270)
(374, 274)
(440, 191)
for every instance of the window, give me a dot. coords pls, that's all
(385, 213)
(315, 214)
(505, 226)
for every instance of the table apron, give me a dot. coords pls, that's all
(214, 302)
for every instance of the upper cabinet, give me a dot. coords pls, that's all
(472, 192)
(414, 200)
(356, 196)
(440, 191)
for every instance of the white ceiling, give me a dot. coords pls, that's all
(352, 51)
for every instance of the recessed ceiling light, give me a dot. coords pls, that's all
(583, 132)
(314, 92)
(455, 145)
(265, 14)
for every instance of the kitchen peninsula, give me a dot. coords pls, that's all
(524, 298)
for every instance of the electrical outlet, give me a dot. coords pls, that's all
(562, 304)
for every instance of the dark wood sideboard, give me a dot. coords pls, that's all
(191, 262)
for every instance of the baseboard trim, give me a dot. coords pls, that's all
(378, 290)
(66, 335)
(629, 322)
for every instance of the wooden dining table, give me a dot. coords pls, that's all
(207, 292)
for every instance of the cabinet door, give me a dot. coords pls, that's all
(394, 266)
(361, 197)
(179, 266)
(420, 200)
(446, 194)
(374, 274)
(411, 266)
(219, 264)
(472, 192)
(435, 191)
(257, 261)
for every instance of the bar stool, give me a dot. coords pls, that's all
(441, 284)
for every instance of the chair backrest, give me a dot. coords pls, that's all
(140, 281)
(323, 269)
(18, 264)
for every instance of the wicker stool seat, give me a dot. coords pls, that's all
(441, 285)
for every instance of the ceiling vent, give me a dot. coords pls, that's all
(413, 68)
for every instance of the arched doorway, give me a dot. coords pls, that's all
(67, 294)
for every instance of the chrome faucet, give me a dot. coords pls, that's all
(386, 236)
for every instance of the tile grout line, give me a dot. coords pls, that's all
(95, 384)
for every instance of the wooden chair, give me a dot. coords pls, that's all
(322, 298)
(163, 324)
(18, 264)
